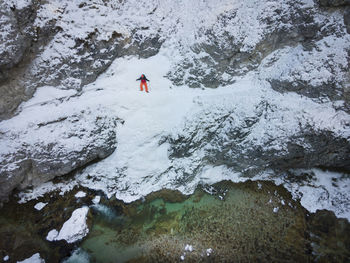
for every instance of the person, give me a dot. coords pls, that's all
(143, 82)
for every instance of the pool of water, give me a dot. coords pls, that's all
(226, 222)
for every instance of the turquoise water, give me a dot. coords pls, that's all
(234, 220)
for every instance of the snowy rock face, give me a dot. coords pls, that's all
(36, 151)
(67, 45)
(280, 69)
(297, 46)
(260, 134)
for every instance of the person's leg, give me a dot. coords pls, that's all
(146, 88)
(141, 86)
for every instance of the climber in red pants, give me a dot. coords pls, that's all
(143, 82)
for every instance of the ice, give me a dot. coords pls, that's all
(33, 259)
(80, 194)
(40, 206)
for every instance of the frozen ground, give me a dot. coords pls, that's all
(141, 163)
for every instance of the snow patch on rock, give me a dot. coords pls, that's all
(33, 259)
(74, 229)
(40, 206)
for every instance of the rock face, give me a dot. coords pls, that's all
(294, 45)
(53, 148)
(45, 45)
(263, 134)
(297, 52)
(333, 3)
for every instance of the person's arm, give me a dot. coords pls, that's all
(147, 79)
(138, 79)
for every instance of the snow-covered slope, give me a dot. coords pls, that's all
(280, 103)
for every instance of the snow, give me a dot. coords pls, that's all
(51, 236)
(96, 199)
(209, 251)
(20, 4)
(40, 206)
(188, 248)
(141, 162)
(325, 190)
(275, 209)
(44, 188)
(74, 229)
(80, 194)
(6, 258)
(33, 259)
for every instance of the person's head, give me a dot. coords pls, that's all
(142, 75)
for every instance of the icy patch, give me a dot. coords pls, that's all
(72, 230)
(51, 236)
(80, 194)
(209, 251)
(33, 259)
(40, 206)
(96, 199)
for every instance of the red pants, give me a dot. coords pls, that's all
(143, 84)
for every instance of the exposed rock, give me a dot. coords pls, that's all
(63, 54)
(32, 158)
(262, 135)
(333, 3)
(347, 19)
(16, 34)
(233, 47)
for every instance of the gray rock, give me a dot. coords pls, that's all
(47, 62)
(270, 138)
(74, 141)
(347, 19)
(16, 34)
(229, 54)
(333, 3)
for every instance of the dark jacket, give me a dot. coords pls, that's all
(143, 78)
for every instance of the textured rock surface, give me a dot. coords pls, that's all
(304, 49)
(262, 135)
(64, 47)
(333, 3)
(54, 148)
(285, 47)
